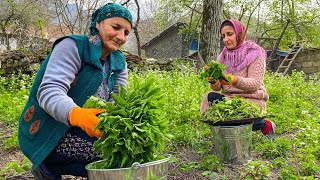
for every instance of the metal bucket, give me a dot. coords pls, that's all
(233, 143)
(147, 171)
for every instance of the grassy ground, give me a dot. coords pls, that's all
(292, 154)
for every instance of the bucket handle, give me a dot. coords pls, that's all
(136, 165)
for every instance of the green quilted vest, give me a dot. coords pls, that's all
(38, 132)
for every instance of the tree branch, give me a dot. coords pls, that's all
(251, 13)
(125, 3)
(193, 9)
(135, 27)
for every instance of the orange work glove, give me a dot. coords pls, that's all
(231, 80)
(209, 79)
(86, 119)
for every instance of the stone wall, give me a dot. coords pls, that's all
(308, 61)
(13, 62)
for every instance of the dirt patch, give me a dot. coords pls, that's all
(184, 155)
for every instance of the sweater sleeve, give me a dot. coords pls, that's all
(61, 70)
(215, 88)
(122, 80)
(254, 80)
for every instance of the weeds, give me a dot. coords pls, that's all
(294, 104)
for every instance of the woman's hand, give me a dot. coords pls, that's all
(229, 80)
(86, 119)
(213, 83)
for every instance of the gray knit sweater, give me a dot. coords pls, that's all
(63, 66)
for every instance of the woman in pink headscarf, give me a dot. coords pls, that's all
(245, 63)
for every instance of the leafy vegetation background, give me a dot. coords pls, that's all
(294, 104)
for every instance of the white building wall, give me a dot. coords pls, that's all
(12, 41)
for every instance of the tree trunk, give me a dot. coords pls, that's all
(135, 28)
(209, 45)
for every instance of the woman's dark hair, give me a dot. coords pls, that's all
(226, 23)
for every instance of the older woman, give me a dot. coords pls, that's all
(245, 63)
(55, 133)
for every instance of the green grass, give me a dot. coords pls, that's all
(294, 104)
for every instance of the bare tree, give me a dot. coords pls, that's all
(135, 28)
(209, 45)
(18, 18)
(252, 11)
(136, 24)
(75, 16)
(7, 16)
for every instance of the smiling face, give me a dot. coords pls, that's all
(228, 35)
(114, 33)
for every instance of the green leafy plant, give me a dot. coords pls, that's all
(212, 163)
(183, 121)
(133, 129)
(234, 108)
(213, 72)
(280, 147)
(279, 162)
(294, 104)
(197, 137)
(189, 166)
(288, 173)
(308, 165)
(11, 142)
(256, 170)
(14, 168)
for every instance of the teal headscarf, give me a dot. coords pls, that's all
(108, 11)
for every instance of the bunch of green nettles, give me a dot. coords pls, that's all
(133, 129)
(235, 108)
(213, 72)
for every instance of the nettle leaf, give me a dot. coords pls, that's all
(119, 100)
(122, 92)
(152, 92)
(213, 70)
(133, 129)
(128, 123)
(127, 144)
(124, 160)
(94, 102)
(120, 112)
(235, 108)
(134, 135)
(138, 129)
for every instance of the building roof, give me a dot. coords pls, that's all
(159, 36)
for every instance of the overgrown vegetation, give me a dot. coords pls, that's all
(133, 129)
(213, 72)
(294, 104)
(227, 109)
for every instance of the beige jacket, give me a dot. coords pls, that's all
(249, 85)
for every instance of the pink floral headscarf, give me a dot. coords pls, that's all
(245, 53)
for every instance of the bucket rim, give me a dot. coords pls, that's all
(238, 126)
(134, 165)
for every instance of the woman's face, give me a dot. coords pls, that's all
(113, 32)
(229, 37)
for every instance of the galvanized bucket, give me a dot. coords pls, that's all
(147, 171)
(233, 143)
